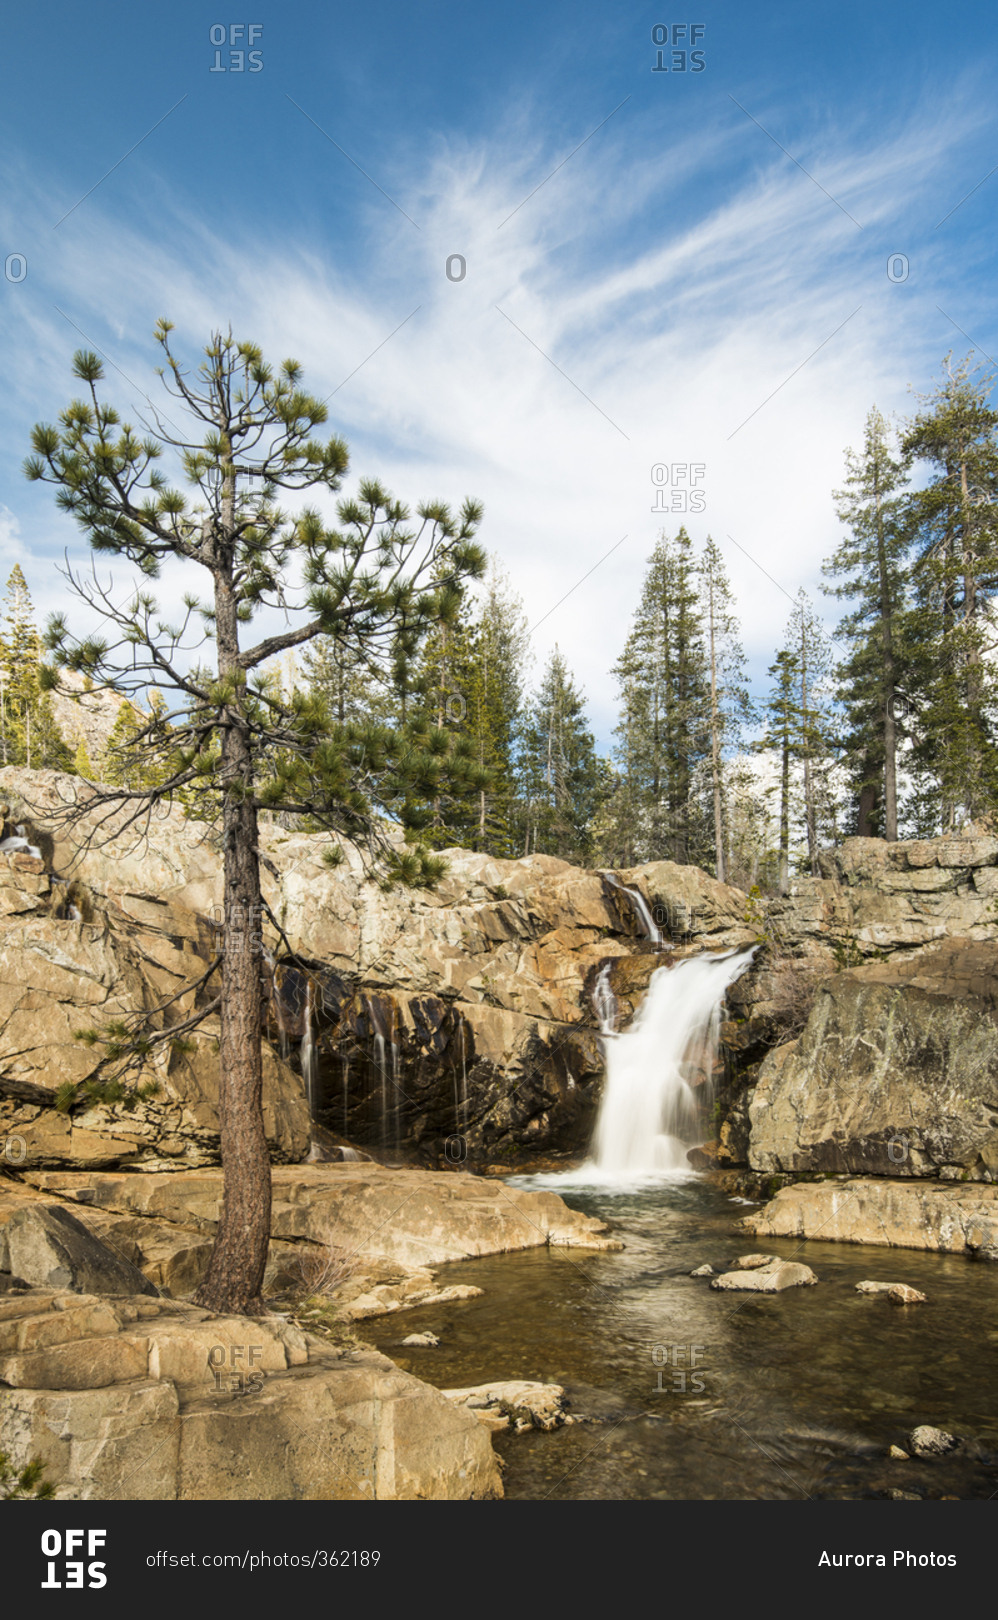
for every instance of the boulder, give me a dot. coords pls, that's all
(514, 1403)
(925, 1441)
(771, 1278)
(51, 1248)
(896, 1073)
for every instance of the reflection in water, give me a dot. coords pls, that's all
(703, 1394)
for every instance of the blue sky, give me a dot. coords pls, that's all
(652, 278)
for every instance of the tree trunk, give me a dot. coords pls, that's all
(234, 1280)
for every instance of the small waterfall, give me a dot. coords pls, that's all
(648, 1112)
(398, 1092)
(379, 1058)
(308, 1051)
(640, 907)
(18, 840)
(462, 1117)
(346, 1092)
(277, 1003)
(605, 1002)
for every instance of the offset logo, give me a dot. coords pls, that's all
(65, 1567)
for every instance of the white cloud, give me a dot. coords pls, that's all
(678, 332)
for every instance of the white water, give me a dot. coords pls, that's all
(605, 1002)
(20, 842)
(640, 905)
(308, 1051)
(648, 1112)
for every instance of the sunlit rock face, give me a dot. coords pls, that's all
(454, 1024)
(447, 1026)
(896, 1073)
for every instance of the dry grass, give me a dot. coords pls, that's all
(319, 1269)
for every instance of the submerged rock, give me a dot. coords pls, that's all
(703, 1271)
(925, 1441)
(897, 1293)
(771, 1278)
(514, 1403)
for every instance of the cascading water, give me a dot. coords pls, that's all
(640, 906)
(308, 1051)
(605, 1002)
(379, 1058)
(648, 1111)
(278, 1005)
(18, 840)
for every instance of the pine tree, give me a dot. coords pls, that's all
(782, 736)
(497, 666)
(955, 525)
(374, 579)
(730, 707)
(806, 638)
(664, 736)
(558, 770)
(29, 734)
(871, 564)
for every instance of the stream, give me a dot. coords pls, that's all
(694, 1393)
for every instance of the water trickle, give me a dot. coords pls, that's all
(277, 1003)
(640, 906)
(19, 841)
(397, 1092)
(346, 1091)
(462, 1113)
(605, 1002)
(308, 1051)
(648, 1113)
(379, 1058)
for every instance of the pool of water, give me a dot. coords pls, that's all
(694, 1393)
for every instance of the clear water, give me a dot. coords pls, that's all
(702, 1394)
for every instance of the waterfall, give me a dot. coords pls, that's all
(605, 1002)
(308, 1051)
(648, 1111)
(20, 842)
(379, 1058)
(278, 1005)
(397, 1090)
(640, 906)
(346, 1091)
(462, 1114)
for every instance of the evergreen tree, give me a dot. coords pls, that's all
(730, 707)
(374, 579)
(871, 565)
(782, 737)
(806, 638)
(954, 521)
(29, 734)
(558, 769)
(497, 666)
(664, 731)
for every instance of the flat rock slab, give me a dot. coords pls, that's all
(769, 1279)
(902, 1214)
(414, 1217)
